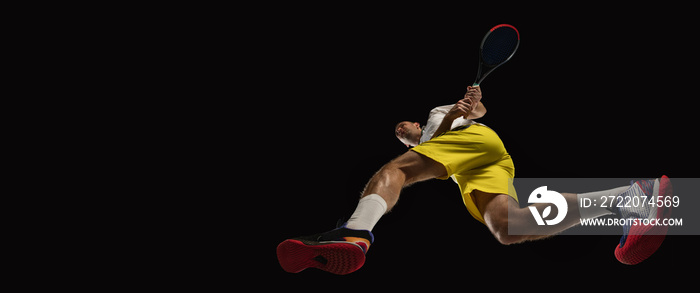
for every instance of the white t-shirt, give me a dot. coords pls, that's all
(435, 119)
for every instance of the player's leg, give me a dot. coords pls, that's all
(342, 250)
(406, 169)
(382, 191)
(639, 241)
(501, 213)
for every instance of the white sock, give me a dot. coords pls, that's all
(593, 204)
(367, 214)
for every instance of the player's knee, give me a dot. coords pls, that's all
(499, 229)
(399, 168)
(503, 237)
(410, 168)
(390, 172)
(506, 239)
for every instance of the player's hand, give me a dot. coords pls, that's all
(466, 105)
(462, 108)
(475, 94)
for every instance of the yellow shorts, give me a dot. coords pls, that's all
(475, 158)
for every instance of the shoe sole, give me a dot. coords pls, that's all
(644, 240)
(340, 258)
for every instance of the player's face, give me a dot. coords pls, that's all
(408, 133)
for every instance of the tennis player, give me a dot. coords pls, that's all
(450, 145)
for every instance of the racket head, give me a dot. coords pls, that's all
(497, 47)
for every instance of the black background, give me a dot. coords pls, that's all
(590, 93)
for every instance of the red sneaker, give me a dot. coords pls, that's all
(639, 241)
(340, 251)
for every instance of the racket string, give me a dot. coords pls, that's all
(499, 46)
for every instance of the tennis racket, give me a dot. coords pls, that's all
(497, 47)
